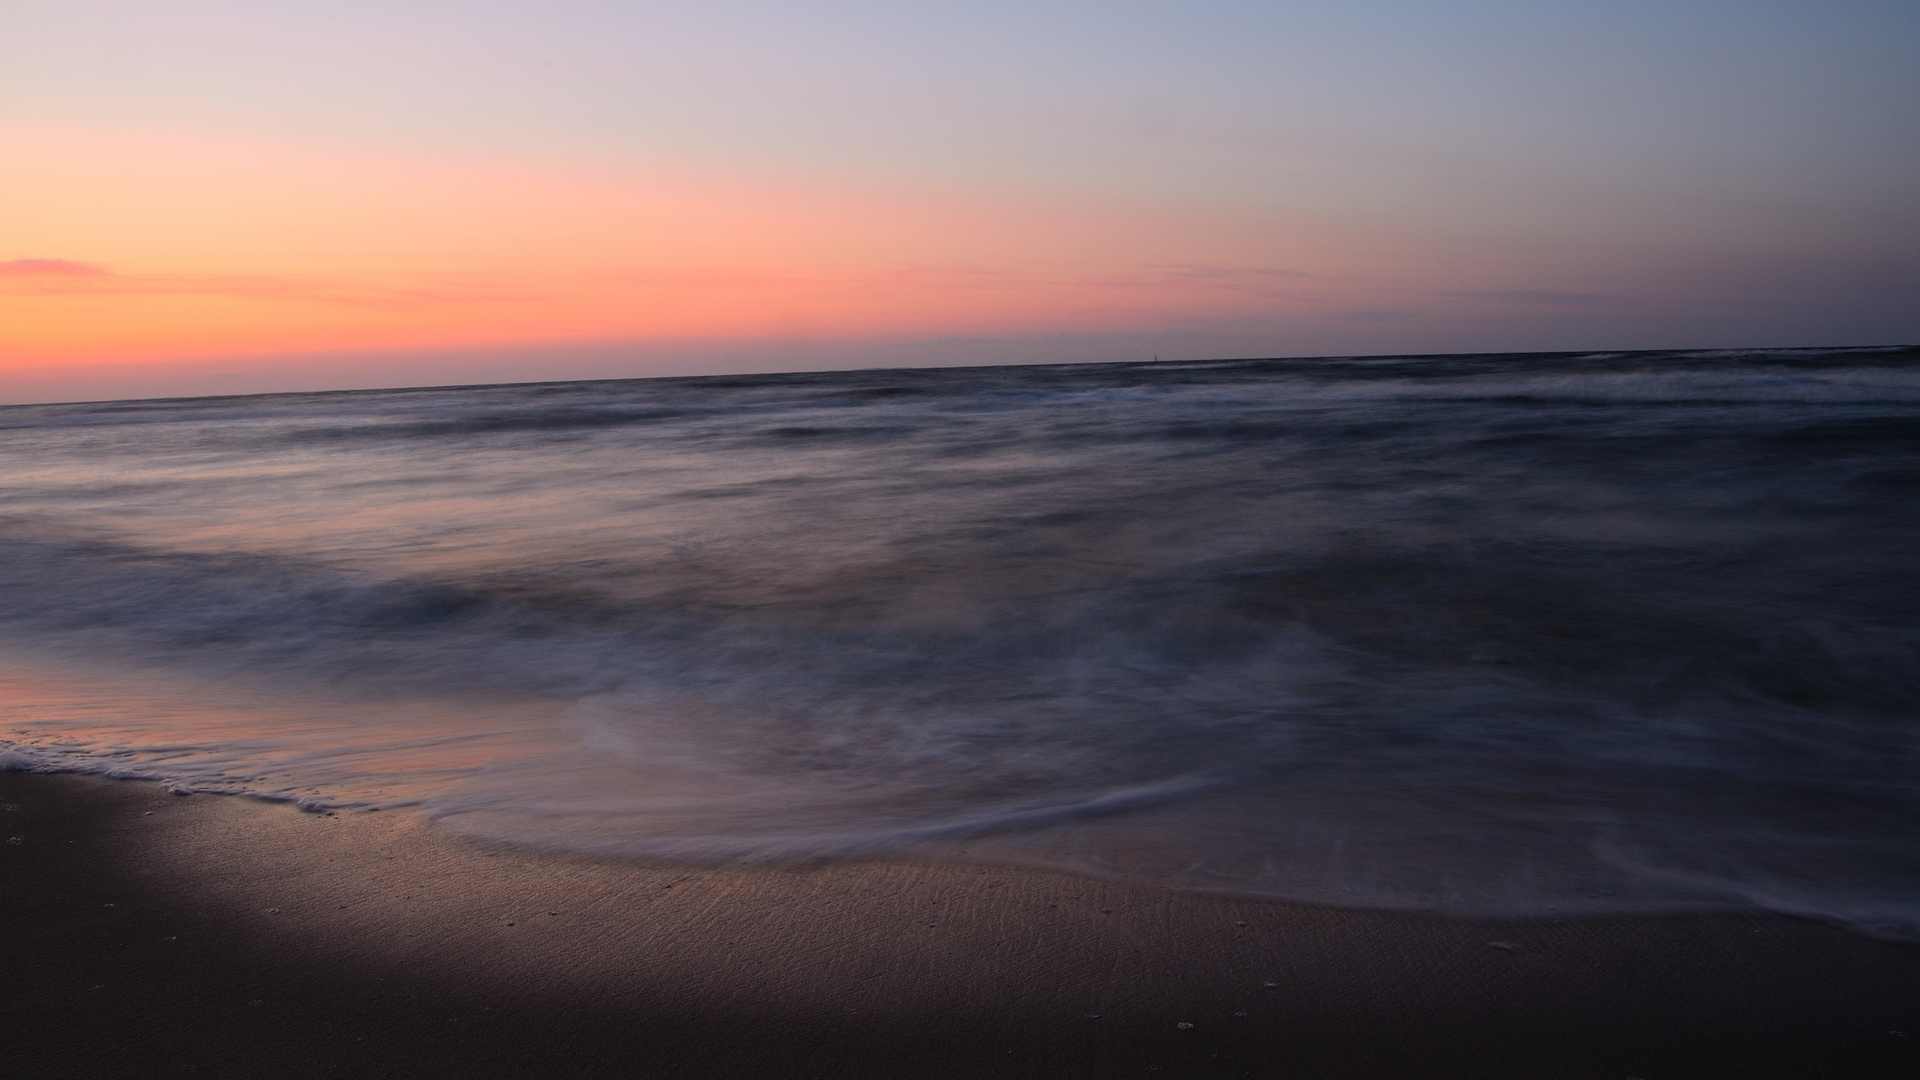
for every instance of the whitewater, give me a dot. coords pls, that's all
(1506, 634)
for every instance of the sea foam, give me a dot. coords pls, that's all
(1483, 634)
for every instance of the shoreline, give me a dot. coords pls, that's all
(158, 934)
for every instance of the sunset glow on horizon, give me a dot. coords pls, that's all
(207, 197)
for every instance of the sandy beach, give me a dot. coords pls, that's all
(152, 934)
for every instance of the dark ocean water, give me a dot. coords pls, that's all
(1490, 634)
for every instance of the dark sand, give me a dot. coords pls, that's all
(155, 935)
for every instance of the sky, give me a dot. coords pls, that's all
(230, 196)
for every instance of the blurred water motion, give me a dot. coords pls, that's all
(1473, 633)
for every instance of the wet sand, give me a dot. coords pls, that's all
(157, 935)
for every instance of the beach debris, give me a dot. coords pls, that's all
(1239, 924)
(16, 841)
(1184, 1026)
(1272, 986)
(1242, 1013)
(1106, 911)
(509, 922)
(553, 913)
(1504, 946)
(147, 814)
(273, 911)
(1093, 1016)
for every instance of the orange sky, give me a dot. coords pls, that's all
(147, 248)
(294, 195)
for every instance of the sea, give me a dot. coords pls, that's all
(1537, 635)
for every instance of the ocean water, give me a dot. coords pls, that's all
(1519, 635)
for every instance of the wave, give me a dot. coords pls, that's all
(1479, 634)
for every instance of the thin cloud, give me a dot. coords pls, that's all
(58, 277)
(1542, 297)
(1204, 272)
(1267, 284)
(949, 277)
(49, 268)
